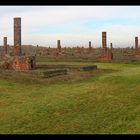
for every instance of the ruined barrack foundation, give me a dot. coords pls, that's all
(18, 61)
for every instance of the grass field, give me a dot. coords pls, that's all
(104, 104)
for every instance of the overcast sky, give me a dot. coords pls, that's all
(73, 25)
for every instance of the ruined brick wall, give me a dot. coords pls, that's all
(106, 56)
(78, 50)
(17, 36)
(137, 54)
(23, 63)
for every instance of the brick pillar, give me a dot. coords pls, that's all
(89, 48)
(111, 46)
(136, 43)
(89, 44)
(17, 36)
(104, 46)
(58, 45)
(5, 45)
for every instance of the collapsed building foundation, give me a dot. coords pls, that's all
(17, 61)
(106, 54)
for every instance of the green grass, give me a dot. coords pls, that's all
(104, 104)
